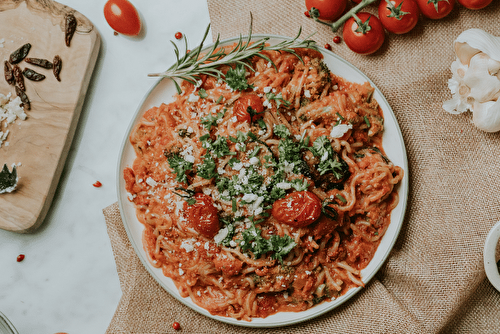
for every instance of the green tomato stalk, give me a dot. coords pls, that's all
(314, 13)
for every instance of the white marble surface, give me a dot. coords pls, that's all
(68, 280)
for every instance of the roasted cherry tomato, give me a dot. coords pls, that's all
(474, 4)
(366, 36)
(122, 16)
(203, 215)
(240, 109)
(436, 9)
(329, 10)
(398, 16)
(298, 209)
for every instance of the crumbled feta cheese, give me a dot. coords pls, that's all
(221, 235)
(254, 160)
(193, 98)
(151, 182)
(307, 93)
(233, 243)
(308, 272)
(207, 245)
(188, 245)
(189, 158)
(339, 130)
(267, 89)
(237, 166)
(284, 185)
(181, 272)
(249, 198)
(10, 110)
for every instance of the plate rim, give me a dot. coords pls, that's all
(403, 189)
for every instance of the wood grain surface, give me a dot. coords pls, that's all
(41, 143)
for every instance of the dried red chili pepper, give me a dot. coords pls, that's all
(39, 62)
(57, 67)
(18, 75)
(7, 70)
(70, 27)
(97, 184)
(24, 98)
(32, 75)
(21, 53)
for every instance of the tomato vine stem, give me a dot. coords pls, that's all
(337, 24)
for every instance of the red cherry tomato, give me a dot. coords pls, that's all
(300, 208)
(329, 10)
(203, 215)
(176, 326)
(20, 258)
(474, 4)
(365, 38)
(436, 9)
(337, 40)
(178, 35)
(399, 18)
(240, 109)
(122, 16)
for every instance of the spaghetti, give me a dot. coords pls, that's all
(265, 199)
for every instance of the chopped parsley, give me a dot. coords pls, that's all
(281, 131)
(212, 120)
(206, 169)
(236, 78)
(258, 245)
(179, 166)
(329, 160)
(202, 93)
(229, 224)
(367, 121)
(279, 99)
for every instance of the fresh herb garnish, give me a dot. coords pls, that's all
(281, 131)
(179, 166)
(278, 98)
(367, 121)
(8, 179)
(329, 160)
(193, 64)
(202, 93)
(258, 245)
(262, 124)
(236, 78)
(341, 198)
(188, 197)
(206, 169)
(212, 120)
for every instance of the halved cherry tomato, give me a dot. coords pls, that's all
(240, 109)
(122, 16)
(300, 208)
(364, 37)
(329, 10)
(203, 215)
(474, 4)
(436, 9)
(400, 16)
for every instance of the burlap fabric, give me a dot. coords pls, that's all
(433, 281)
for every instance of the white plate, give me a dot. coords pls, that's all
(163, 91)
(489, 256)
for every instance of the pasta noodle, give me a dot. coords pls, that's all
(254, 212)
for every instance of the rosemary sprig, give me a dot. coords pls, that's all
(194, 64)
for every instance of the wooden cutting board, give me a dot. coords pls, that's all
(39, 145)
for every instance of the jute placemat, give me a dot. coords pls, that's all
(433, 281)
